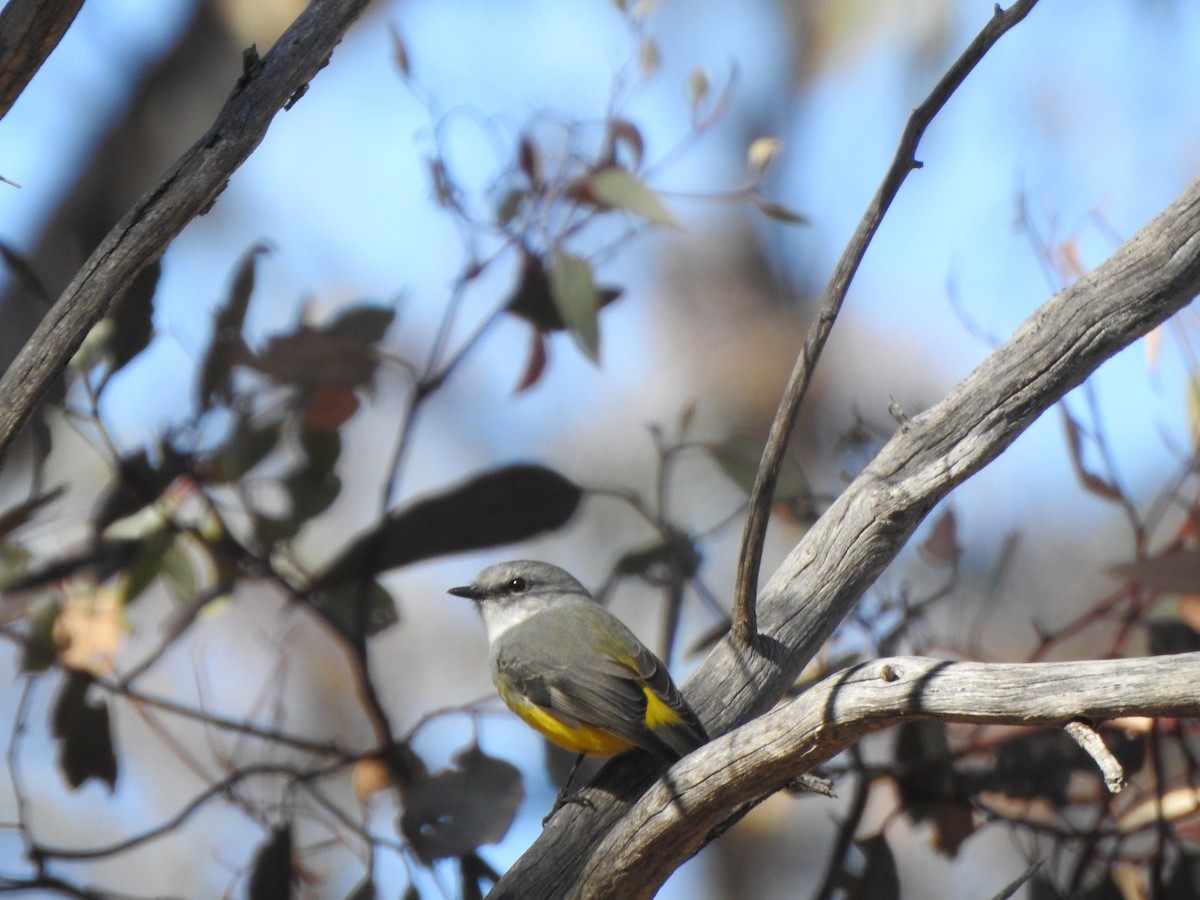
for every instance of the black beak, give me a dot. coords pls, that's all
(469, 591)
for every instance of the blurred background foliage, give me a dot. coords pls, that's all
(526, 280)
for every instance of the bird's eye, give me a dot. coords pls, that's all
(517, 586)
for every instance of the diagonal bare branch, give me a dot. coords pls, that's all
(29, 32)
(745, 618)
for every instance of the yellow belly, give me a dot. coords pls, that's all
(576, 738)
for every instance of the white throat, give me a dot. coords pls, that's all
(500, 617)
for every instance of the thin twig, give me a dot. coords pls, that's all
(745, 619)
(1089, 739)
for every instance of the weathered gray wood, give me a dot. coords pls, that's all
(1151, 276)
(672, 820)
(184, 192)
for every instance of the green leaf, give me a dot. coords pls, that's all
(368, 322)
(576, 299)
(147, 565)
(40, 650)
(621, 189)
(248, 445)
(357, 611)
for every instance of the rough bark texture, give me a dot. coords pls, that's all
(29, 31)
(673, 820)
(184, 192)
(1151, 276)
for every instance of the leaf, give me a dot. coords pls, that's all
(529, 159)
(16, 516)
(451, 812)
(369, 322)
(649, 58)
(620, 189)
(533, 301)
(941, 547)
(622, 132)
(39, 651)
(88, 629)
(1168, 636)
(739, 456)
(271, 875)
(357, 611)
(698, 86)
(329, 408)
(536, 365)
(759, 155)
(880, 879)
(502, 506)
(930, 788)
(85, 747)
(779, 213)
(576, 300)
(1172, 572)
(399, 52)
(227, 345)
(676, 558)
(1091, 482)
(246, 447)
(510, 206)
(133, 318)
(369, 776)
(313, 358)
(146, 566)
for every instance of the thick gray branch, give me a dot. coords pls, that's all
(184, 192)
(1151, 276)
(675, 818)
(29, 31)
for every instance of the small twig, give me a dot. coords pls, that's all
(745, 619)
(1089, 739)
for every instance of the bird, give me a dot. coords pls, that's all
(573, 671)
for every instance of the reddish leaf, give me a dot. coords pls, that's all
(536, 365)
(328, 408)
(942, 547)
(1173, 572)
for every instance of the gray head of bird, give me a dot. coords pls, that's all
(508, 593)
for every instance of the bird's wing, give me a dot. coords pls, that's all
(609, 687)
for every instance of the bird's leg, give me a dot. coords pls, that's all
(563, 798)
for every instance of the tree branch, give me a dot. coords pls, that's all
(187, 190)
(29, 32)
(745, 618)
(1152, 275)
(675, 818)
